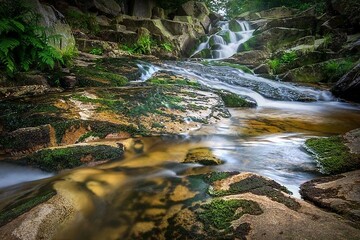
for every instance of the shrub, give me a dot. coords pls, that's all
(96, 51)
(335, 69)
(23, 43)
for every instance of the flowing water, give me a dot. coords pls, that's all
(120, 199)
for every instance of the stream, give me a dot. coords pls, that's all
(118, 198)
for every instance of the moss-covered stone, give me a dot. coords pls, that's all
(219, 213)
(228, 64)
(203, 156)
(172, 81)
(216, 176)
(234, 100)
(333, 155)
(70, 157)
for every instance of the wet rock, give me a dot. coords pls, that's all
(68, 82)
(203, 156)
(197, 10)
(25, 91)
(234, 100)
(262, 69)
(234, 26)
(339, 193)
(57, 159)
(334, 154)
(27, 140)
(348, 86)
(250, 58)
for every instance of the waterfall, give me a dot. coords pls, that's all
(225, 41)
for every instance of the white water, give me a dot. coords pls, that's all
(225, 42)
(11, 174)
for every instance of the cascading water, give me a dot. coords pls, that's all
(226, 41)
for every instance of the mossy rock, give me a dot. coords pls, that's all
(234, 26)
(203, 156)
(333, 155)
(70, 157)
(233, 100)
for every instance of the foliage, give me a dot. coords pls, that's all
(167, 46)
(332, 154)
(335, 69)
(96, 51)
(286, 58)
(142, 46)
(23, 43)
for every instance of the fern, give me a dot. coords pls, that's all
(23, 43)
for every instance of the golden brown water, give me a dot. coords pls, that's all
(137, 196)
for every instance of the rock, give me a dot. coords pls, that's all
(203, 156)
(143, 8)
(352, 141)
(249, 58)
(274, 13)
(25, 91)
(336, 154)
(123, 37)
(348, 9)
(197, 10)
(55, 24)
(233, 100)
(234, 26)
(338, 193)
(86, 45)
(249, 206)
(303, 22)
(56, 159)
(277, 38)
(68, 82)
(158, 13)
(348, 87)
(103, 21)
(28, 79)
(333, 23)
(27, 140)
(262, 69)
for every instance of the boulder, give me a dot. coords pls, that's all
(348, 87)
(349, 9)
(277, 37)
(158, 13)
(262, 69)
(338, 193)
(27, 140)
(250, 58)
(302, 22)
(107, 7)
(143, 8)
(274, 13)
(55, 24)
(203, 156)
(197, 10)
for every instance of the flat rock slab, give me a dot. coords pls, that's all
(339, 193)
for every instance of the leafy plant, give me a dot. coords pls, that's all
(167, 46)
(97, 51)
(286, 58)
(142, 46)
(274, 65)
(335, 69)
(23, 43)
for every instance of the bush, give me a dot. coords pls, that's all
(23, 43)
(286, 58)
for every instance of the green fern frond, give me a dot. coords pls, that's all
(8, 44)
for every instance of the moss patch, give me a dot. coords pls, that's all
(62, 158)
(172, 81)
(216, 176)
(220, 213)
(333, 155)
(13, 211)
(226, 64)
(234, 100)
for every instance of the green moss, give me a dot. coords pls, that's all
(13, 211)
(226, 64)
(216, 176)
(98, 77)
(63, 158)
(176, 81)
(85, 22)
(332, 154)
(220, 213)
(286, 58)
(157, 125)
(234, 100)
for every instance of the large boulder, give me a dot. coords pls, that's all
(349, 9)
(143, 8)
(348, 87)
(197, 10)
(55, 24)
(339, 193)
(302, 22)
(274, 13)
(249, 58)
